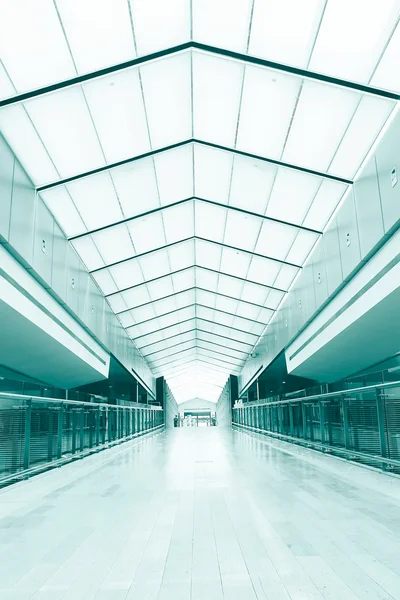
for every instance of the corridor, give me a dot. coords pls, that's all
(202, 514)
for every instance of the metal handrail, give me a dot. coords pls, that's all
(9, 396)
(339, 393)
(326, 448)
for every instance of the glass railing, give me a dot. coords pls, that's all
(39, 433)
(361, 424)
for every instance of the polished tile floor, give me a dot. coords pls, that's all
(202, 514)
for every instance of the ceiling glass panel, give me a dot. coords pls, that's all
(229, 286)
(223, 23)
(275, 240)
(241, 230)
(96, 200)
(174, 171)
(181, 256)
(302, 246)
(64, 124)
(160, 24)
(136, 187)
(268, 101)
(167, 88)
(322, 116)
(89, 253)
(358, 138)
(17, 128)
(110, 40)
(216, 97)
(127, 274)
(278, 38)
(155, 264)
(114, 244)
(105, 282)
(210, 221)
(117, 108)
(178, 222)
(212, 173)
(292, 195)
(264, 271)
(362, 28)
(387, 76)
(326, 200)
(27, 31)
(60, 203)
(251, 183)
(147, 233)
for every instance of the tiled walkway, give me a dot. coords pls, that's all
(202, 514)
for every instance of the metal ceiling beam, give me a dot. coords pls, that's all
(175, 310)
(152, 153)
(152, 302)
(201, 331)
(132, 287)
(197, 339)
(186, 367)
(195, 346)
(184, 201)
(239, 368)
(191, 319)
(201, 239)
(245, 58)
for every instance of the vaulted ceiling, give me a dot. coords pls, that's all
(194, 151)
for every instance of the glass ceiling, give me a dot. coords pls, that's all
(194, 151)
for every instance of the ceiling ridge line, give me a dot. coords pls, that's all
(192, 199)
(186, 142)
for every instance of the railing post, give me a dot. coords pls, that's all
(27, 437)
(60, 424)
(381, 412)
(73, 420)
(109, 424)
(304, 418)
(322, 420)
(81, 428)
(291, 420)
(97, 426)
(346, 431)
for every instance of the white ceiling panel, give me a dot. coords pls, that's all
(292, 195)
(174, 171)
(210, 221)
(363, 29)
(60, 203)
(268, 101)
(166, 88)
(322, 116)
(223, 23)
(127, 274)
(234, 262)
(155, 264)
(18, 130)
(159, 24)
(110, 40)
(114, 244)
(27, 31)
(147, 232)
(275, 240)
(89, 253)
(212, 173)
(325, 201)
(276, 37)
(136, 187)
(64, 124)
(178, 222)
(117, 108)
(217, 87)
(251, 184)
(96, 200)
